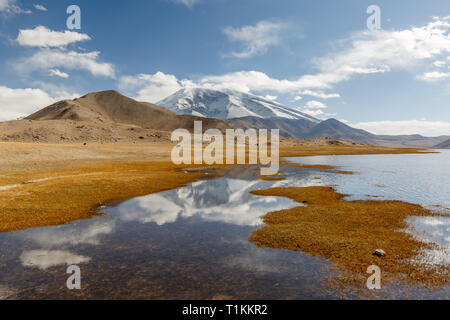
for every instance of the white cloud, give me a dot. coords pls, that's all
(297, 98)
(187, 3)
(4, 4)
(433, 76)
(383, 51)
(10, 7)
(439, 63)
(15, 103)
(423, 127)
(316, 109)
(320, 94)
(58, 73)
(148, 86)
(53, 55)
(315, 105)
(365, 52)
(255, 39)
(313, 113)
(44, 37)
(271, 98)
(152, 87)
(247, 81)
(40, 7)
(46, 59)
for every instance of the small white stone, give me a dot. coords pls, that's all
(379, 253)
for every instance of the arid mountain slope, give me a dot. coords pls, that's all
(443, 145)
(79, 132)
(112, 107)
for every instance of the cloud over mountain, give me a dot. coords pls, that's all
(22, 102)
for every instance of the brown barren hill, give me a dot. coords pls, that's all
(112, 107)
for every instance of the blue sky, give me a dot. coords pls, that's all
(317, 56)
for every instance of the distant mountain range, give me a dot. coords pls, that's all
(443, 145)
(242, 110)
(334, 129)
(110, 116)
(228, 104)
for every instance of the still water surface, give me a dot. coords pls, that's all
(417, 178)
(191, 243)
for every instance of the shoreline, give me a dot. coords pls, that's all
(348, 232)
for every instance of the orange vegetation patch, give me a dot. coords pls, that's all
(348, 233)
(344, 172)
(293, 150)
(274, 178)
(59, 196)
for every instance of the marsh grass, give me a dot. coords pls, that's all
(348, 232)
(72, 194)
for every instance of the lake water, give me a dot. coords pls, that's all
(192, 242)
(417, 178)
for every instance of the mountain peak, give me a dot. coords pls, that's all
(228, 104)
(112, 107)
(107, 95)
(105, 92)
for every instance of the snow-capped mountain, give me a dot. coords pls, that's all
(228, 104)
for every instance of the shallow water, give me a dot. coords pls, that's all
(188, 243)
(416, 178)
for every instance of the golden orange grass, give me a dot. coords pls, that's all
(348, 232)
(293, 150)
(75, 193)
(271, 178)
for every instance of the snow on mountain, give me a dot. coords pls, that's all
(228, 104)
